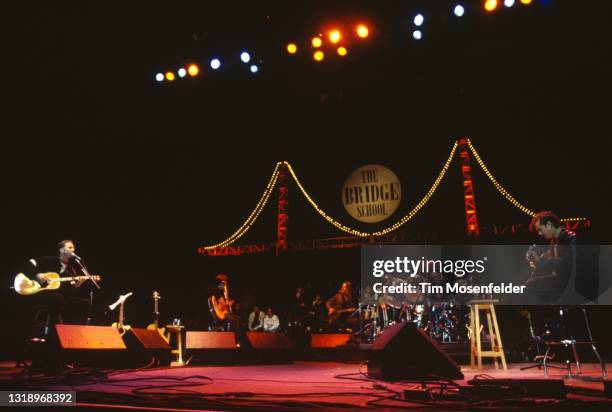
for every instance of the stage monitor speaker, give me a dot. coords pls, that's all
(328, 340)
(150, 339)
(145, 345)
(264, 340)
(404, 352)
(212, 347)
(608, 388)
(83, 337)
(99, 346)
(268, 347)
(210, 340)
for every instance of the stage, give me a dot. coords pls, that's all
(303, 385)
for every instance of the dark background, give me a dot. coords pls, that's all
(140, 174)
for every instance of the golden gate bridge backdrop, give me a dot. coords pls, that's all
(462, 147)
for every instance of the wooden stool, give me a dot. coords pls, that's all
(178, 332)
(497, 349)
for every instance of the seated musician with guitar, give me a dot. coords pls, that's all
(340, 309)
(220, 306)
(41, 282)
(552, 268)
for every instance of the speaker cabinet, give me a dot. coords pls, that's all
(145, 345)
(210, 340)
(263, 340)
(82, 337)
(268, 348)
(212, 347)
(100, 346)
(404, 351)
(328, 340)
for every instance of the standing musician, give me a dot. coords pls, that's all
(551, 269)
(340, 307)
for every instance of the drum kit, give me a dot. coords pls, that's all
(442, 321)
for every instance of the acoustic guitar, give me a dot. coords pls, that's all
(25, 286)
(337, 313)
(155, 325)
(120, 325)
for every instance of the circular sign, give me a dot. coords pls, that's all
(371, 193)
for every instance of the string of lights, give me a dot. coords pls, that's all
(386, 230)
(263, 200)
(505, 193)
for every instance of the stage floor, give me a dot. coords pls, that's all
(298, 386)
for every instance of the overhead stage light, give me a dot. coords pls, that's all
(193, 69)
(363, 31)
(215, 64)
(417, 34)
(508, 3)
(490, 5)
(245, 57)
(159, 77)
(459, 10)
(170, 76)
(316, 42)
(419, 19)
(334, 36)
(254, 68)
(182, 72)
(342, 51)
(318, 55)
(291, 48)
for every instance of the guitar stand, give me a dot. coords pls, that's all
(539, 363)
(570, 345)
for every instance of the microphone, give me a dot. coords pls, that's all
(75, 256)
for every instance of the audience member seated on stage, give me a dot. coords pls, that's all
(256, 318)
(271, 322)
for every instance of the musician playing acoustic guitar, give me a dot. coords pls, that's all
(221, 306)
(65, 303)
(551, 269)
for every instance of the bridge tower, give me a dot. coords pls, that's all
(471, 217)
(282, 211)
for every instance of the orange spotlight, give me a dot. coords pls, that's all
(291, 48)
(526, 2)
(318, 55)
(170, 76)
(490, 5)
(193, 69)
(342, 51)
(334, 36)
(362, 31)
(316, 42)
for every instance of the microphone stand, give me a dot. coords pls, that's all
(91, 290)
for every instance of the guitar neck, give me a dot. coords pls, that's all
(70, 278)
